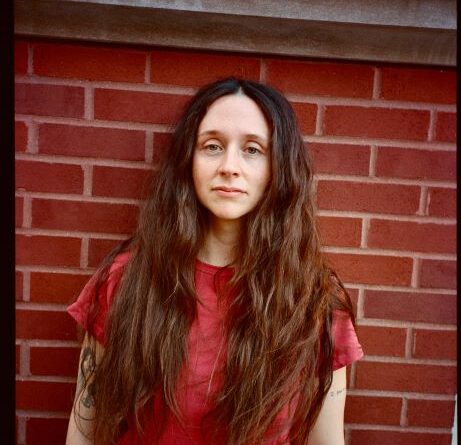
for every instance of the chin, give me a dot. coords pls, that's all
(228, 215)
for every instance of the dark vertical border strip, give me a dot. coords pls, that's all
(7, 211)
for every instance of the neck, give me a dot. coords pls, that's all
(220, 244)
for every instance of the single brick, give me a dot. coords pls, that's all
(47, 251)
(321, 79)
(35, 176)
(120, 182)
(137, 106)
(54, 361)
(438, 274)
(19, 202)
(375, 122)
(20, 136)
(44, 396)
(18, 358)
(416, 164)
(419, 85)
(46, 430)
(431, 413)
(83, 216)
(367, 437)
(445, 128)
(380, 376)
(98, 249)
(363, 197)
(161, 144)
(379, 410)
(45, 325)
(198, 68)
(98, 142)
(441, 202)
(414, 236)
(372, 269)
(344, 232)
(89, 62)
(19, 278)
(340, 159)
(49, 100)
(307, 116)
(434, 344)
(60, 288)
(383, 341)
(354, 295)
(21, 56)
(410, 306)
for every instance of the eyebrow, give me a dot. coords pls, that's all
(218, 133)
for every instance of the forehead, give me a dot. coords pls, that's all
(235, 113)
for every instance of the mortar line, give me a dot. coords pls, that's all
(89, 103)
(422, 201)
(149, 147)
(319, 120)
(415, 272)
(373, 160)
(27, 212)
(84, 249)
(26, 286)
(364, 234)
(432, 125)
(376, 83)
(409, 343)
(404, 412)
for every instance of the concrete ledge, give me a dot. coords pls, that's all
(399, 31)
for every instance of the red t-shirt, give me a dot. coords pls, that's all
(206, 351)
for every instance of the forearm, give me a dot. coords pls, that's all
(81, 420)
(329, 426)
(74, 435)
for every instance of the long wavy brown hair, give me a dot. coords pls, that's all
(278, 326)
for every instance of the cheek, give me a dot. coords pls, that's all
(265, 175)
(195, 173)
(199, 177)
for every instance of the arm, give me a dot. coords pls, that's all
(83, 407)
(329, 426)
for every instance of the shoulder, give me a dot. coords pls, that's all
(347, 348)
(120, 261)
(98, 294)
(115, 274)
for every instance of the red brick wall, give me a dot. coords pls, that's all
(91, 121)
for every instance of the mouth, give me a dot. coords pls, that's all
(228, 191)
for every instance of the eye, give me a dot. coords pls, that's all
(213, 148)
(253, 150)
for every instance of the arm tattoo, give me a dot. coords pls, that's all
(337, 392)
(87, 368)
(88, 399)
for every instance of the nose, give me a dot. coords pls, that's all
(229, 163)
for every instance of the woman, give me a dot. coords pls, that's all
(218, 321)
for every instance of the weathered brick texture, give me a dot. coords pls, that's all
(373, 122)
(92, 120)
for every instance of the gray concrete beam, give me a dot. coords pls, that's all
(415, 32)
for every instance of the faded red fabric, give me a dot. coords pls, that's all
(206, 352)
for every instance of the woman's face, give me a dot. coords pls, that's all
(231, 164)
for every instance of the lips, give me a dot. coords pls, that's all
(228, 189)
(228, 192)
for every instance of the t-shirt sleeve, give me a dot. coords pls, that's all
(79, 309)
(347, 348)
